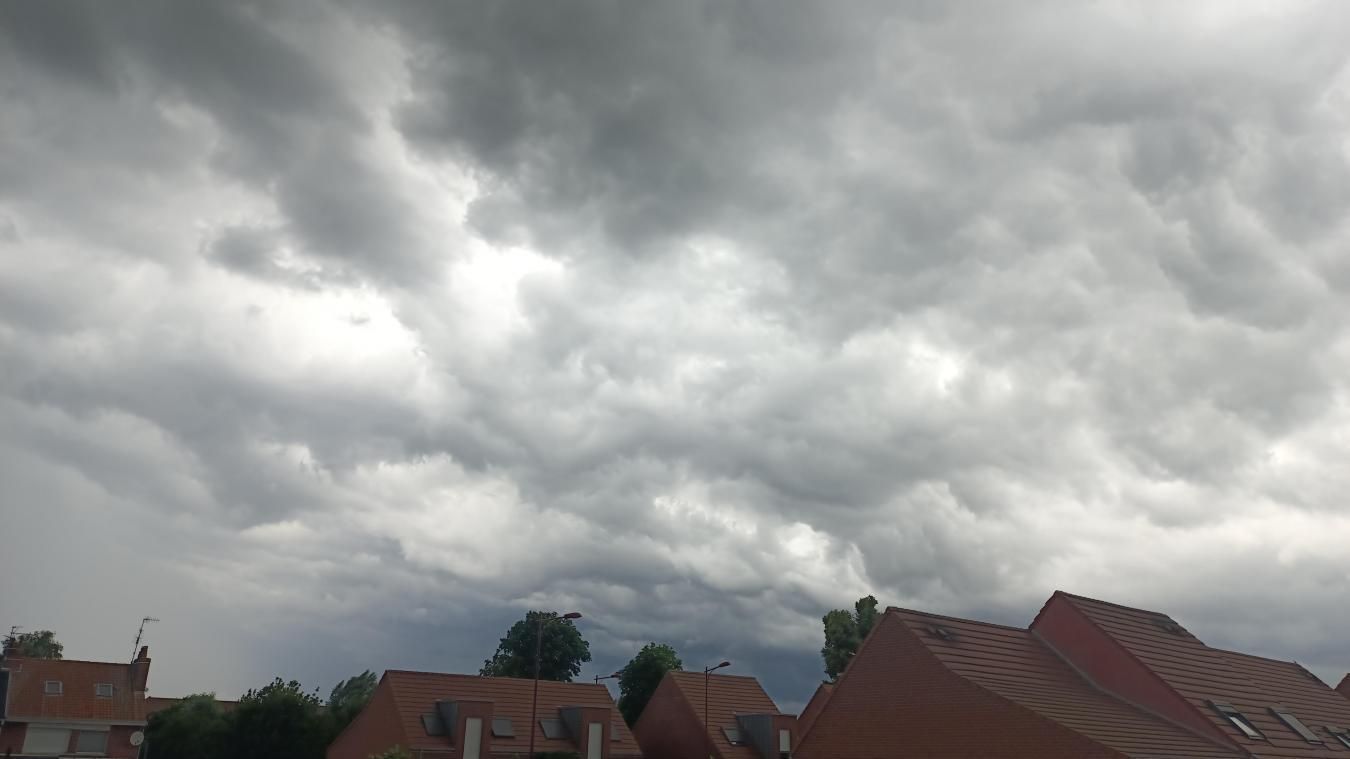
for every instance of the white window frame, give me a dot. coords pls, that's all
(47, 688)
(49, 747)
(100, 686)
(99, 752)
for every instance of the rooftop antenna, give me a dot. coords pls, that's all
(137, 645)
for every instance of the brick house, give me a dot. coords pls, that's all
(742, 721)
(813, 707)
(1087, 679)
(444, 716)
(63, 707)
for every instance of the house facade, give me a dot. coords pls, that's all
(719, 716)
(1087, 679)
(63, 707)
(446, 716)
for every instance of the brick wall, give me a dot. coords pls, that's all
(375, 729)
(897, 701)
(669, 728)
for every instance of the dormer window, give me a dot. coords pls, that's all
(1293, 723)
(1238, 720)
(52, 688)
(103, 690)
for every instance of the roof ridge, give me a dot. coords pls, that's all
(463, 676)
(696, 673)
(24, 659)
(1113, 604)
(902, 610)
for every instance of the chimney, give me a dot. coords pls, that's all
(140, 670)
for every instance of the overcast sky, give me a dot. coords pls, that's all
(338, 335)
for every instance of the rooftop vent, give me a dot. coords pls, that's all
(1167, 625)
(938, 631)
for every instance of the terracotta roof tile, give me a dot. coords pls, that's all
(728, 696)
(813, 707)
(416, 693)
(1251, 684)
(77, 701)
(1015, 664)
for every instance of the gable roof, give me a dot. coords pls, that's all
(416, 694)
(1201, 675)
(28, 700)
(813, 707)
(1015, 664)
(1344, 686)
(728, 696)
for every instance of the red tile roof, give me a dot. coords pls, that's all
(1252, 684)
(416, 693)
(28, 700)
(728, 696)
(1015, 664)
(813, 707)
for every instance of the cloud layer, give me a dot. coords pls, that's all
(338, 335)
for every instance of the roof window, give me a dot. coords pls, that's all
(1293, 723)
(734, 736)
(1341, 735)
(103, 690)
(52, 688)
(502, 728)
(553, 729)
(1238, 720)
(433, 724)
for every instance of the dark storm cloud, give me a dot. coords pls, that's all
(399, 319)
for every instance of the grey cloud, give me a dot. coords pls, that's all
(401, 319)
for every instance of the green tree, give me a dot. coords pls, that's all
(39, 644)
(279, 720)
(562, 652)
(349, 697)
(194, 728)
(844, 632)
(640, 677)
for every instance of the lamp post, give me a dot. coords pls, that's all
(707, 671)
(538, 648)
(614, 676)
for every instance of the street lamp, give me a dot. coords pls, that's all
(538, 647)
(706, 672)
(614, 676)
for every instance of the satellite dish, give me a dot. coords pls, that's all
(137, 738)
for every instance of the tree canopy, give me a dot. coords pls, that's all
(349, 697)
(38, 644)
(844, 633)
(642, 675)
(562, 651)
(279, 719)
(194, 728)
